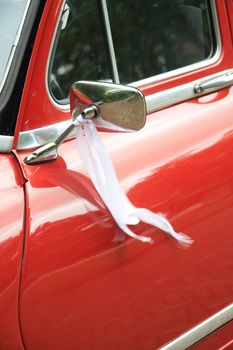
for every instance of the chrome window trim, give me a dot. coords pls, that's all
(110, 41)
(38, 137)
(156, 78)
(14, 45)
(203, 329)
(181, 93)
(54, 102)
(6, 143)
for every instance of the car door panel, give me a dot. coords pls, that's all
(85, 285)
(70, 278)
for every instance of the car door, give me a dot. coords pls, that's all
(84, 284)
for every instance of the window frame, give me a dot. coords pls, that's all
(146, 81)
(38, 123)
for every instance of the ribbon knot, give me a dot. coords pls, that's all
(101, 171)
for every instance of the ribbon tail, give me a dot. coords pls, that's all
(163, 224)
(131, 234)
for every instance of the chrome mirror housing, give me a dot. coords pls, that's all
(111, 107)
(119, 107)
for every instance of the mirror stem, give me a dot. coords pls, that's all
(49, 151)
(87, 113)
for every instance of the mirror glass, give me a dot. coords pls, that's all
(120, 107)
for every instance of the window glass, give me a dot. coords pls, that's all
(11, 13)
(150, 37)
(156, 36)
(81, 53)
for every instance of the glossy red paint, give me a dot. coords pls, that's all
(86, 287)
(11, 240)
(84, 284)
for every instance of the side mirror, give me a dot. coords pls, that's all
(111, 107)
(119, 107)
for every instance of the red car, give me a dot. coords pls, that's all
(70, 276)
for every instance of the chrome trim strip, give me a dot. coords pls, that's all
(191, 67)
(202, 330)
(180, 93)
(6, 143)
(15, 44)
(38, 137)
(55, 103)
(110, 42)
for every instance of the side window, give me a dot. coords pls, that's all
(149, 38)
(165, 36)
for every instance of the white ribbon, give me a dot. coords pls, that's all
(100, 169)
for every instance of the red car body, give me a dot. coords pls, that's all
(66, 282)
